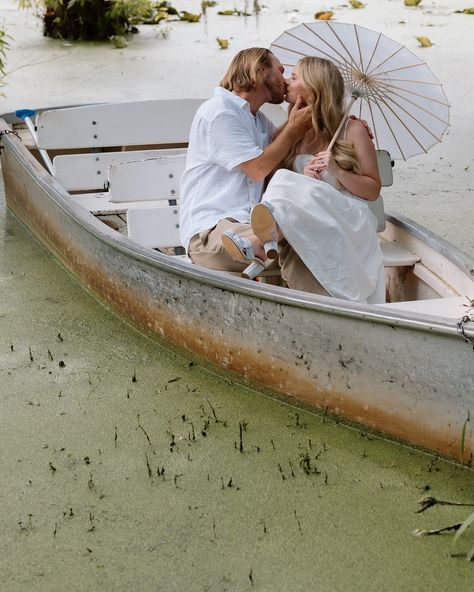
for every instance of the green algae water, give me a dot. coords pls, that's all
(127, 467)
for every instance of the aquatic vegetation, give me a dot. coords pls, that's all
(234, 12)
(412, 2)
(324, 15)
(98, 20)
(223, 43)
(462, 529)
(424, 41)
(459, 527)
(356, 4)
(190, 17)
(3, 48)
(465, 11)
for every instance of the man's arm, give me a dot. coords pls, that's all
(299, 122)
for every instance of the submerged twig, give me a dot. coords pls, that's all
(429, 502)
(417, 532)
(143, 429)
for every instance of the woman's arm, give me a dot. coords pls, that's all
(366, 184)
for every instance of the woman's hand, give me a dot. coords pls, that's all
(310, 170)
(324, 161)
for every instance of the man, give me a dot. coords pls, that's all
(230, 153)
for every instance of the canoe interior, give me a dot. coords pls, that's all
(433, 277)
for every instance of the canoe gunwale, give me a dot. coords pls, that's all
(283, 296)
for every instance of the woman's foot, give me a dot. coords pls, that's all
(241, 248)
(265, 228)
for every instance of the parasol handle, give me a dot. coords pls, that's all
(343, 120)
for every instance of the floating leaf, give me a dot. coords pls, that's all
(465, 11)
(324, 15)
(229, 12)
(119, 41)
(412, 2)
(424, 41)
(190, 17)
(356, 4)
(223, 43)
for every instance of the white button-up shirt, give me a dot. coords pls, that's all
(223, 135)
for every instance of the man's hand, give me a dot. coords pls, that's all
(365, 124)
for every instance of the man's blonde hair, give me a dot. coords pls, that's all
(247, 69)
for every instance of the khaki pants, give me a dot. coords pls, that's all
(206, 249)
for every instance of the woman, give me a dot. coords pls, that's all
(318, 223)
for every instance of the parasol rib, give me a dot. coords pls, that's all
(374, 127)
(412, 81)
(330, 56)
(385, 60)
(341, 43)
(381, 99)
(440, 119)
(390, 88)
(388, 98)
(374, 51)
(300, 53)
(358, 47)
(391, 131)
(408, 67)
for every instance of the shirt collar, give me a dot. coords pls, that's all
(219, 91)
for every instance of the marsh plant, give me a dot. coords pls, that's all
(3, 48)
(98, 20)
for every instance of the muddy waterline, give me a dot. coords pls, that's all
(125, 466)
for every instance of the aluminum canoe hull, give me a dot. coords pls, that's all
(408, 376)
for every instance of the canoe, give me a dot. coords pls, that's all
(404, 369)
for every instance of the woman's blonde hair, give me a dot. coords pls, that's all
(324, 88)
(247, 69)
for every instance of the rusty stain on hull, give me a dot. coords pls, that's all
(178, 324)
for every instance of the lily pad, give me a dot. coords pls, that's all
(223, 43)
(324, 15)
(356, 4)
(412, 2)
(424, 41)
(190, 17)
(119, 41)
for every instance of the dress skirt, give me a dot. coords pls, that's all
(333, 232)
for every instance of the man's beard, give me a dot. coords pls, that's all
(277, 93)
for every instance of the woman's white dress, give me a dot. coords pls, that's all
(333, 231)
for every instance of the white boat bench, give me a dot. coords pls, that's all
(137, 183)
(88, 172)
(158, 227)
(163, 126)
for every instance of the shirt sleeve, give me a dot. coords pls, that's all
(230, 142)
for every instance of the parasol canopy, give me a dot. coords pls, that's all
(390, 87)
